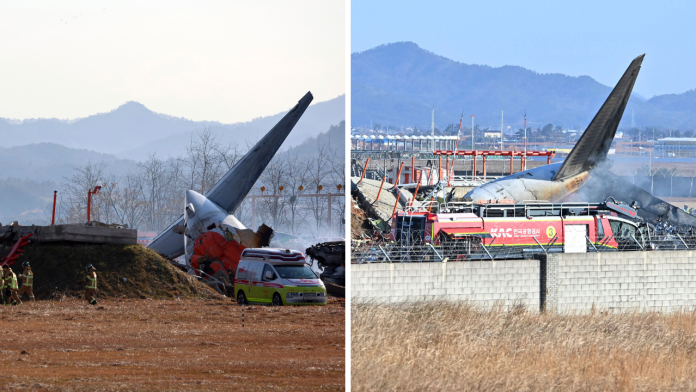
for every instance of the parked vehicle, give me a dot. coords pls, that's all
(277, 277)
(519, 228)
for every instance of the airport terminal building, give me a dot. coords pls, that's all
(675, 147)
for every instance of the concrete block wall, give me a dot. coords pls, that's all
(483, 283)
(660, 281)
(643, 281)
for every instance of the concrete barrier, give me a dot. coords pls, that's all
(658, 281)
(642, 281)
(505, 282)
(71, 233)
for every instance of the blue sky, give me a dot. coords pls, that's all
(595, 38)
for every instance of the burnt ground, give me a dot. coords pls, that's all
(176, 344)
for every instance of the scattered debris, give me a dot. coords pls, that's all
(331, 258)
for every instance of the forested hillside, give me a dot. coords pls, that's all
(398, 84)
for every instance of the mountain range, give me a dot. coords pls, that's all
(32, 172)
(398, 84)
(37, 156)
(133, 131)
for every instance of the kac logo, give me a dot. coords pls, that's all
(501, 233)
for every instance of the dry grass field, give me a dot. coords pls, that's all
(170, 345)
(454, 347)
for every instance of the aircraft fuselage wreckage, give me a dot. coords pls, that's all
(207, 233)
(584, 175)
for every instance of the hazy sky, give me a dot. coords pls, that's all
(595, 38)
(227, 61)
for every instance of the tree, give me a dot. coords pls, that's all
(75, 188)
(154, 182)
(295, 178)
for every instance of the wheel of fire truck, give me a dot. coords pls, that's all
(276, 300)
(241, 298)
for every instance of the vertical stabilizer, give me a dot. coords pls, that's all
(234, 186)
(593, 146)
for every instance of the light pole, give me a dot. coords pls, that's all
(472, 132)
(525, 140)
(89, 201)
(53, 217)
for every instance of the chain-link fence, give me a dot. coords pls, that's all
(415, 250)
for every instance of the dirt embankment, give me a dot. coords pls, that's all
(124, 271)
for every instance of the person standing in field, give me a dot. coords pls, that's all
(10, 283)
(91, 284)
(27, 278)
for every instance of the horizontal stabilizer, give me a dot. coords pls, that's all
(594, 144)
(168, 243)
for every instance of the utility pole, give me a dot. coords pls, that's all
(501, 129)
(525, 140)
(633, 125)
(472, 132)
(458, 133)
(432, 124)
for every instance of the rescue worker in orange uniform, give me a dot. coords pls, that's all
(10, 283)
(27, 278)
(91, 284)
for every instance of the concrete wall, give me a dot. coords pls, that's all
(483, 283)
(71, 233)
(664, 281)
(660, 281)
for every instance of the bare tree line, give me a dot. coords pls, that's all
(151, 195)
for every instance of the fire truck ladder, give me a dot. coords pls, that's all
(16, 250)
(407, 239)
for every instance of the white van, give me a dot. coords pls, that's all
(277, 277)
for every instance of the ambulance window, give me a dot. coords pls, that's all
(268, 268)
(295, 272)
(256, 272)
(242, 271)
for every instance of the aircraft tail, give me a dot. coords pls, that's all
(593, 146)
(234, 186)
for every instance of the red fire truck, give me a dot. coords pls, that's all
(530, 227)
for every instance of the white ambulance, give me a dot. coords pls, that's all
(277, 277)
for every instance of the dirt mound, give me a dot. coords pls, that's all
(124, 271)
